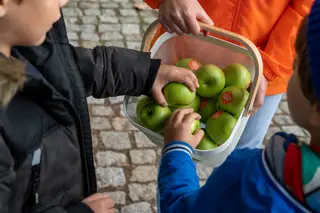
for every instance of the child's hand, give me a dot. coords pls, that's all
(178, 127)
(100, 203)
(170, 73)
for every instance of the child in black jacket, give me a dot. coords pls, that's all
(46, 158)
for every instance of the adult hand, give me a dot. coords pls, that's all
(180, 16)
(100, 203)
(170, 73)
(259, 101)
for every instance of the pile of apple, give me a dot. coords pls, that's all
(220, 99)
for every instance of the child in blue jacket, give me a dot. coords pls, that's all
(284, 177)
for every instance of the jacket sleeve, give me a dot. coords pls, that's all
(278, 52)
(113, 71)
(7, 181)
(179, 185)
(177, 177)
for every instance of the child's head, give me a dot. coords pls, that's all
(302, 96)
(26, 22)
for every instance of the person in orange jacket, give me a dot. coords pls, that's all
(270, 24)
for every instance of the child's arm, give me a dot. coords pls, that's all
(113, 71)
(177, 176)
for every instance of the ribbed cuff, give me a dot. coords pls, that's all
(177, 146)
(79, 208)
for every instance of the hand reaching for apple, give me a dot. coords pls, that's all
(100, 203)
(169, 73)
(178, 127)
(180, 16)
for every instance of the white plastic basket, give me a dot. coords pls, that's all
(170, 48)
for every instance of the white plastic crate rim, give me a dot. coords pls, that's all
(171, 48)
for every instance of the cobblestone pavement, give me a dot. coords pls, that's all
(125, 158)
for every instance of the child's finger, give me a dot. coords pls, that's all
(188, 119)
(172, 117)
(158, 96)
(181, 76)
(181, 114)
(198, 135)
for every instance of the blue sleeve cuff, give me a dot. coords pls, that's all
(177, 146)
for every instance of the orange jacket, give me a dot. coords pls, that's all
(270, 24)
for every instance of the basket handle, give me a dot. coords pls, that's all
(252, 49)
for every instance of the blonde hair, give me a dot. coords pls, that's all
(12, 77)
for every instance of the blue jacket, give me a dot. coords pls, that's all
(244, 183)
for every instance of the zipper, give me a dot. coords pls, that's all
(235, 15)
(74, 110)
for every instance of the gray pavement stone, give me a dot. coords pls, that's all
(142, 207)
(116, 140)
(130, 29)
(110, 177)
(143, 141)
(100, 123)
(142, 192)
(143, 156)
(111, 158)
(102, 111)
(119, 197)
(144, 174)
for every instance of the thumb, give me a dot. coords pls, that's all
(198, 135)
(202, 16)
(158, 96)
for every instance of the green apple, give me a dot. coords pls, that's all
(208, 107)
(195, 125)
(233, 99)
(206, 143)
(189, 63)
(142, 102)
(220, 126)
(154, 116)
(195, 104)
(237, 75)
(211, 80)
(178, 94)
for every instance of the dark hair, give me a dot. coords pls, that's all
(302, 63)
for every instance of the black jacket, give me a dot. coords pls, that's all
(46, 158)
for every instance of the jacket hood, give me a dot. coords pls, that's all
(12, 78)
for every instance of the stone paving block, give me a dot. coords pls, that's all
(109, 27)
(108, 19)
(100, 123)
(128, 12)
(107, 36)
(142, 207)
(92, 12)
(116, 100)
(110, 177)
(116, 140)
(143, 141)
(143, 156)
(144, 174)
(102, 111)
(122, 124)
(111, 158)
(130, 29)
(203, 171)
(92, 100)
(142, 192)
(119, 197)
